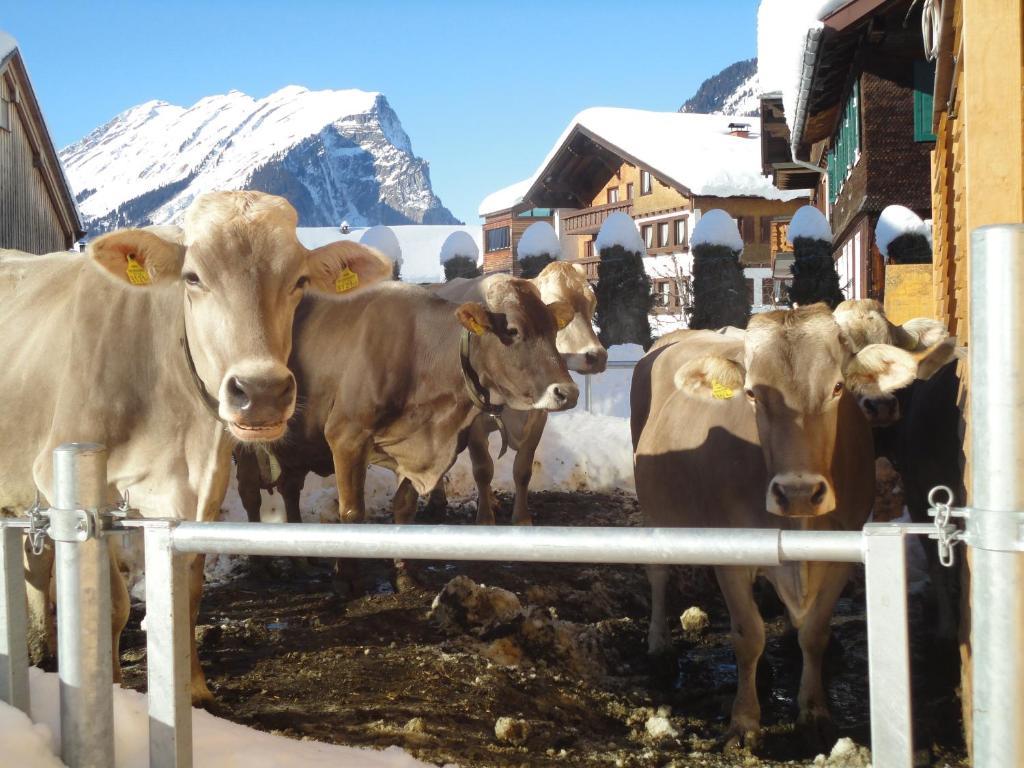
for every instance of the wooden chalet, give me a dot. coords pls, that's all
(591, 173)
(862, 137)
(38, 213)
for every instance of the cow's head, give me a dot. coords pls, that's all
(798, 372)
(241, 271)
(864, 323)
(577, 342)
(513, 350)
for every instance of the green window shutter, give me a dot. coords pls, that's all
(924, 85)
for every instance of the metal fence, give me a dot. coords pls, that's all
(994, 535)
(588, 384)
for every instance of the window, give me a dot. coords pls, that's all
(613, 194)
(535, 213)
(924, 85)
(497, 239)
(663, 234)
(662, 290)
(766, 230)
(845, 149)
(647, 232)
(746, 227)
(645, 183)
(681, 239)
(588, 249)
(629, 190)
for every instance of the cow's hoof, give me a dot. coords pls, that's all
(817, 731)
(404, 579)
(523, 521)
(742, 735)
(201, 695)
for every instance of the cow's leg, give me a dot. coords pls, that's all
(290, 485)
(657, 633)
(351, 451)
(42, 626)
(483, 471)
(120, 605)
(247, 472)
(522, 468)
(737, 585)
(438, 500)
(403, 508)
(200, 691)
(814, 721)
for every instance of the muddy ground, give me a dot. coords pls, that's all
(284, 653)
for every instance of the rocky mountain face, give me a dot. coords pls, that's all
(733, 91)
(336, 155)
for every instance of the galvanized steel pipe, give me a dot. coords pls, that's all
(997, 493)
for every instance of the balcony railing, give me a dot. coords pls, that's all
(589, 220)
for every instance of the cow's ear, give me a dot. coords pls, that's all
(138, 257)
(710, 377)
(919, 334)
(880, 369)
(474, 317)
(343, 267)
(563, 313)
(936, 356)
(580, 268)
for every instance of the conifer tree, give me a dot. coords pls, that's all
(719, 287)
(623, 288)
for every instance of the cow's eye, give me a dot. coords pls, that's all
(301, 283)
(192, 279)
(837, 389)
(750, 394)
(513, 332)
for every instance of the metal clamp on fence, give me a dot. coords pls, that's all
(947, 533)
(77, 524)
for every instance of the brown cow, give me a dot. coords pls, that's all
(388, 378)
(762, 430)
(168, 346)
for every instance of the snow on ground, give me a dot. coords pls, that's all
(609, 393)
(783, 27)
(384, 240)
(692, 150)
(539, 239)
(808, 221)
(218, 743)
(895, 221)
(620, 229)
(716, 227)
(421, 245)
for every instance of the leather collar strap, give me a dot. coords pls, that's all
(208, 400)
(478, 393)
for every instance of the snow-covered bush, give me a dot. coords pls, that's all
(385, 240)
(719, 287)
(814, 270)
(902, 237)
(537, 248)
(459, 255)
(623, 287)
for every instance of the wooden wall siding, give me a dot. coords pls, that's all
(908, 292)
(28, 218)
(661, 198)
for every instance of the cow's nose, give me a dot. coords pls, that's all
(880, 411)
(800, 494)
(597, 360)
(559, 397)
(260, 398)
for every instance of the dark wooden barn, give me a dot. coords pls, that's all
(37, 208)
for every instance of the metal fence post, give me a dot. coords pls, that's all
(83, 606)
(168, 654)
(885, 576)
(995, 528)
(587, 384)
(13, 620)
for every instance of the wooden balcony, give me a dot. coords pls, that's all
(588, 221)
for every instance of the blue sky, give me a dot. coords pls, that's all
(483, 89)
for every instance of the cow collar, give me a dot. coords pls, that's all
(208, 400)
(478, 393)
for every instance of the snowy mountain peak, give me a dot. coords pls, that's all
(335, 154)
(733, 91)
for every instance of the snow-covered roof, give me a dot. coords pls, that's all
(897, 220)
(783, 29)
(421, 245)
(8, 45)
(538, 239)
(690, 150)
(620, 229)
(716, 227)
(808, 221)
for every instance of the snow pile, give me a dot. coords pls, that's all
(620, 229)
(895, 221)
(420, 245)
(687, 149)
(808, 221)
(218, 743)
(609, 391)
(540, 239)
(845, 754)
(716, 227)
(384, 240)
(783, 27)
(8, 45)
(459, 243)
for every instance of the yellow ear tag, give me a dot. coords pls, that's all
(721, 392)
(346, 281)
(137, 274)
(475, 327)
(562, 323)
